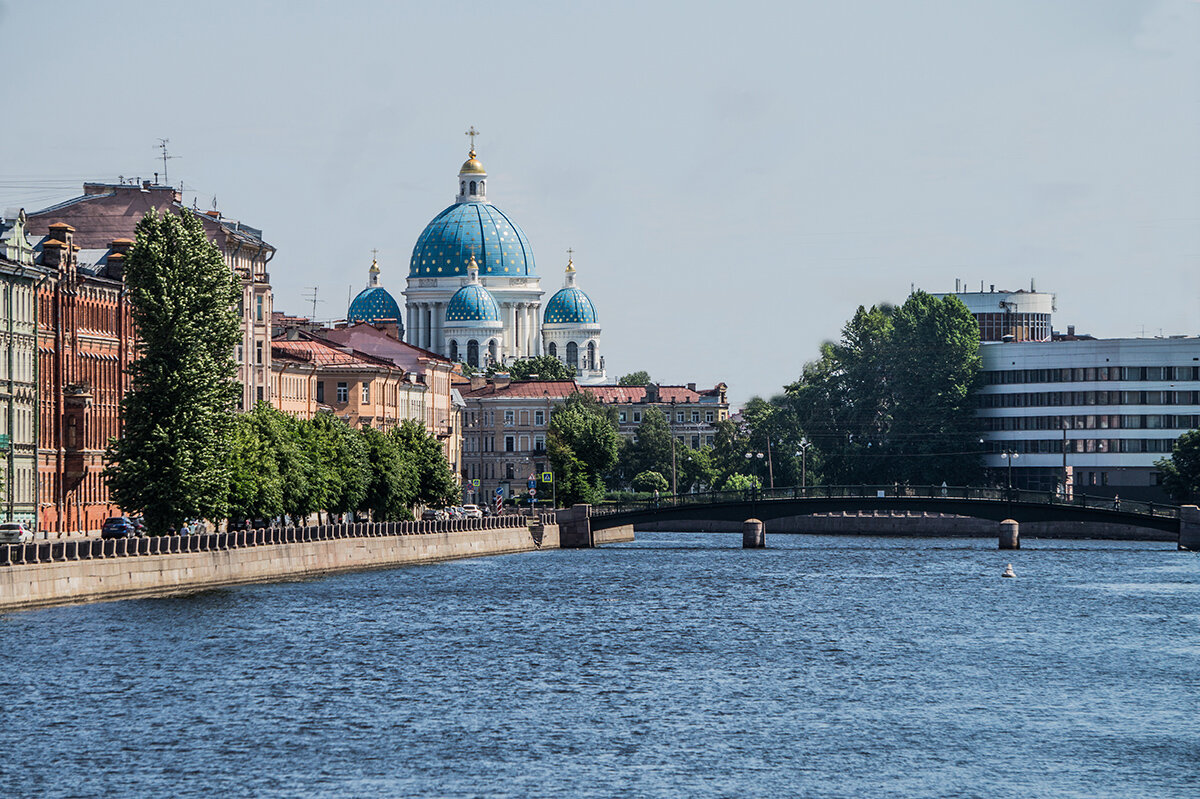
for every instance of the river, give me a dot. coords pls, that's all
(678, 665)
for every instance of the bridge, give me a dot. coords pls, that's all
(995, 504)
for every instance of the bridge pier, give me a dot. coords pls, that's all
(1010, 534)
(1189, 528)
(754, 535)
(575, 527)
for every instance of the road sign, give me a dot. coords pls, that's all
(547, 477)
(531, 485)
(499, 491)
(532, 476)
(533, 492)
(475, 482)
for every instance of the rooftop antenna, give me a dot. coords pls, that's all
(311, 296)
(162, 145)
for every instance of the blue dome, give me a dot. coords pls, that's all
(472, 303)
(466, 229)
(570, 306)
(374, 305)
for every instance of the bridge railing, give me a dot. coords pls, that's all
(892, 491)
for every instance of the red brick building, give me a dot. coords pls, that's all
(85, 342)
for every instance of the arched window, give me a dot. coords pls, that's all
(573, 355)
(553, 350)
(473, 353)
(493, 351)
(591, 356)
(453, 350)
(472, 187)
(482, 183)
(462, 187)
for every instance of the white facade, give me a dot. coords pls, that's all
(571, 333)
(1009, 315)
(1099, 411)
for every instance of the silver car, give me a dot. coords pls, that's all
(15, 533)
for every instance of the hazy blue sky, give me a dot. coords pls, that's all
(735, 178)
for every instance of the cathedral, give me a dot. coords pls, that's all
(474, 295)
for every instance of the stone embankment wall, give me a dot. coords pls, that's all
(912, 523)
(36, 575)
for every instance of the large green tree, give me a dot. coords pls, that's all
(435, 483)
(255, 482)
(172, 461)
(583, 445)
(1181, 471)
(393, 480)
(343, 455)
(650, 451)
(640, 378)
(892, 401)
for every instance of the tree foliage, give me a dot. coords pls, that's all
(583, 445)
(892, 401)
(648, 482)
(651, 450)
(1181, 471)
(435, 483)
(544, 367)
(172, 461)
(640, 378)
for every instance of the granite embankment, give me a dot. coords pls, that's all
(36, 575)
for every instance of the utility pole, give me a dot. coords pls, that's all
(162, 145)
(770, 467)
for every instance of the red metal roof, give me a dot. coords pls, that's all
(322, 354)
(555, 389)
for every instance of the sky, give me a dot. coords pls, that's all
(734, 178)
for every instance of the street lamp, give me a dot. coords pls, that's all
(803, 453)
(1009, 454)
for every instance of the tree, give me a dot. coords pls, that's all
(435, 483)
(545, 367)
(1181, 471)
(393, 480)
(343, 456)
(583, 445)
(695, 471)
(172, 463)
(648, 482)
(741, 482)
(651, 450)
(641, 378)
(255, 482)
(893, 400)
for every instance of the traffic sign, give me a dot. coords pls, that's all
(533, 492)
(475, 482)
(499, 491)
(532, 484)
(547, 477)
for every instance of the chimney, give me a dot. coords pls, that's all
(52, 252)
(957, 285)
(501, 380)
(1070, 330)
(121, 246)
(477, 382)
(652, 392)
(691, 386)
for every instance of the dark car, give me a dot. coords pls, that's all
(118, 527)
(139, 525)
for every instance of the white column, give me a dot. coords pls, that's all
(519, 330)
(536, 314)
(531, 329)
(424, 342)
(408, 329)
(439, 317)
(510, 326)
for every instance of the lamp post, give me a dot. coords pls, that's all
(671, 428)
(803, 453)
(750, 456)
(1009, 454)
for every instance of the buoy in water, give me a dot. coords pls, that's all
(1008, 571)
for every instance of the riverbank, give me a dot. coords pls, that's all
(59, 574)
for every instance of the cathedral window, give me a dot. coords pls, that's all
(553, 350)
(454, 350)
(591, 356)
(473, 353)
(472, 188)
(572, 355)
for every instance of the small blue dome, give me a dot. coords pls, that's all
(374, 305)
(570, 306)
(472, 303)
(466, 229)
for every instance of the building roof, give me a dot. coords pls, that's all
(373, 341)
(473, 228)
(681, 395)
(374, 304)
(472, 303)
(528, 389)
(570, 306)
(310, 349)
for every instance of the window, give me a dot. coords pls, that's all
(510, 471)
(539, 418)
(320, 391)
(454, 350)
(695, 416)
(258, 308)
(510, 443)
(553, 350)
(343, 392)
(366, 392)
(539, 445)
(622, 416)
(472, 187)
(695, 442)
(508, 418)
(240, 352)
(258, 352)
(679, 416)
(708, 416)
(260, 393)
(473, 353)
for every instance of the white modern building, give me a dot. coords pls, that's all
(1008, 315)
(1095, 412)
(474, 246)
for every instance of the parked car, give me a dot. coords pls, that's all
(139, 525)
(15, 533)
(434, 515)
(118, 527)
(455, 512)
(472, 512)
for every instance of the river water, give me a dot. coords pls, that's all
(679, 665)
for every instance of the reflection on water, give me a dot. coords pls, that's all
(679, 665)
